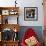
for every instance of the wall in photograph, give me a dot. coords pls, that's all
(44, 12)
(31, 3)
(37, 29)
(26, 3)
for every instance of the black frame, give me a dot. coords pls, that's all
(28, 10)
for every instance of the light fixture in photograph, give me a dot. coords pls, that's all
(15, 3)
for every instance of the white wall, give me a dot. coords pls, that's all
(31, 3)
(26, 3)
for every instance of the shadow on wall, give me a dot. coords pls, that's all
(37, 29)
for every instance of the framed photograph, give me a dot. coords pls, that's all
(30, 13)
(5, 12)
(13, 12)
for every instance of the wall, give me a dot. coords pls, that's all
(44, 12)
(45, 22)
(31, 3)
(37, 29)
(26, 3)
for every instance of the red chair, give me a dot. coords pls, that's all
(29, 33)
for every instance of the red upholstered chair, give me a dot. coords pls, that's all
(29, 33)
